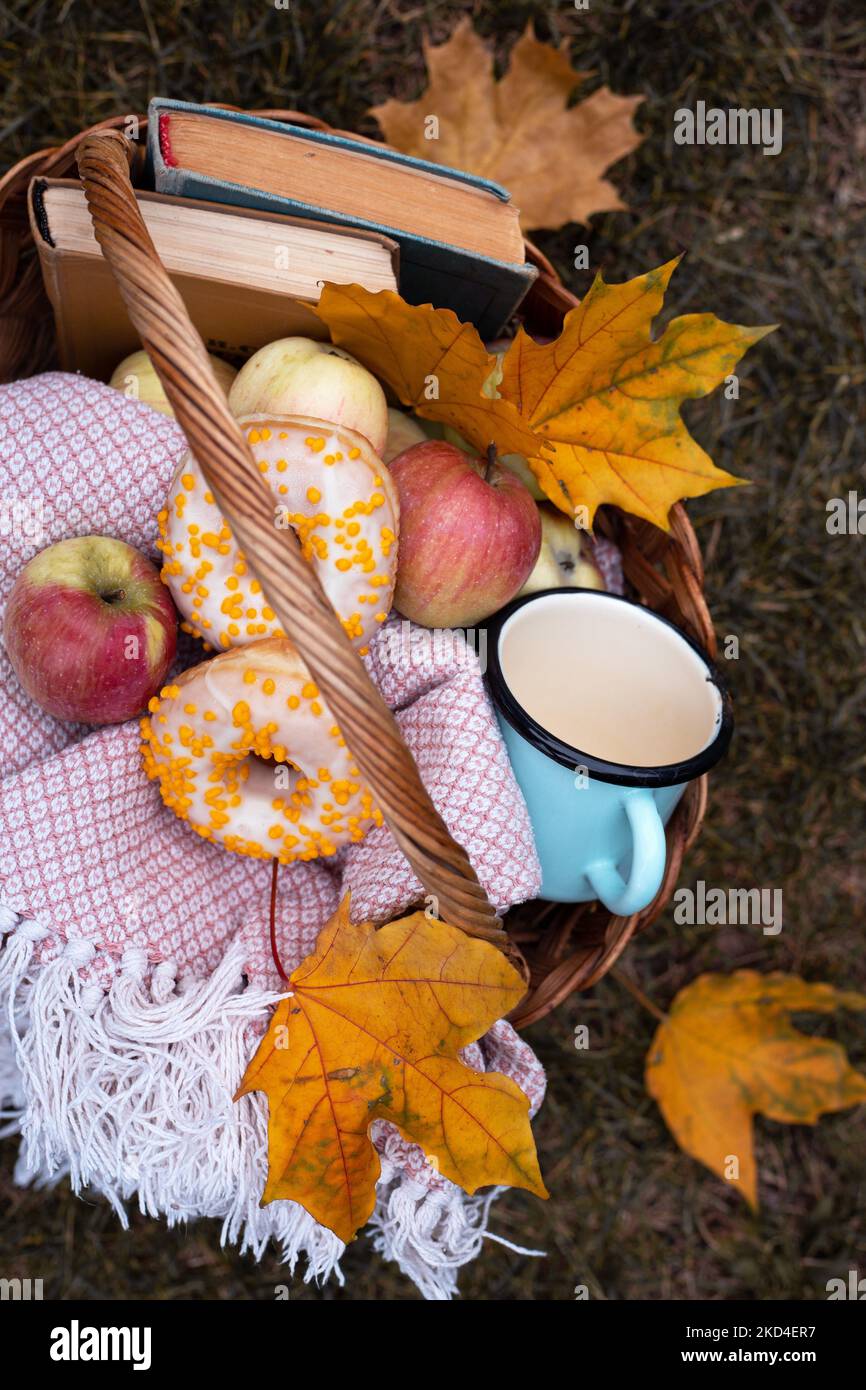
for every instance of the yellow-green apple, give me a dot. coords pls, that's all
(136, 377)
(90, 630)
(452, 437)
(403, 431)
(469, 535)
(298, 376)
(520, 466)
(565, 560)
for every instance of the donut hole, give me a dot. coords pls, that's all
(262, 776)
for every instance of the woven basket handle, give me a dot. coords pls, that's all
(181, 362)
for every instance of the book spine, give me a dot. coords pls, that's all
(165, 141)
(49, 259)
(37, 202)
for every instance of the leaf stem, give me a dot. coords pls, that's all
(491, 460)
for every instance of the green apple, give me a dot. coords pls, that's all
(491, 385)
(403, 431)
(519, 465)
(450, 435)
(565, 560)
(136, 377)
(299, 376)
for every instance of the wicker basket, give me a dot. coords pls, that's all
(561, 948)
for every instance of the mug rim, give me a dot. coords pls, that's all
(620, 774)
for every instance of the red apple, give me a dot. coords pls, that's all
(469, 535)
(90, 630)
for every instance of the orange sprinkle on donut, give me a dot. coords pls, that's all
(316, 502)
(211, 784)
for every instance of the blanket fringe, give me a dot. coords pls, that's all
(15, 987)
(432, 1233)
(128, 1091)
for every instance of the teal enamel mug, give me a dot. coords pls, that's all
(608, 711)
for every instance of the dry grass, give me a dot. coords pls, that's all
(767, 240)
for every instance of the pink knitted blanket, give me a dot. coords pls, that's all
(136, 973)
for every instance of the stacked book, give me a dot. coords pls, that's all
(251, 216)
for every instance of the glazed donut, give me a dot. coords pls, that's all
(245, 750)
(335, 492)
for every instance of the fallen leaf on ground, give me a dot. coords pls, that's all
(370, 1032)
(728, 1051)
(430, 360)
(520, 131)
(606, 397)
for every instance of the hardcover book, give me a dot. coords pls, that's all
(460, 242)
(245, 277)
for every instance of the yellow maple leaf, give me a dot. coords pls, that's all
(370, 1032)
(728, 1051)
(606, 397)
(430, 360)
(520, 131)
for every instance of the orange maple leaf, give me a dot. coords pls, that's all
(521, 131)
(430, 360)
(606, 397)
(371, 1031)
(728, 1051)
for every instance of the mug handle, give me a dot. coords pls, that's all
(649, 853)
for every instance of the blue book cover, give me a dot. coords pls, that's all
(479, 289)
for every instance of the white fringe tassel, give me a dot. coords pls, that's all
(431, 1235)
(129, 1092)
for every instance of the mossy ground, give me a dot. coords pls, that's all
(767, 240)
